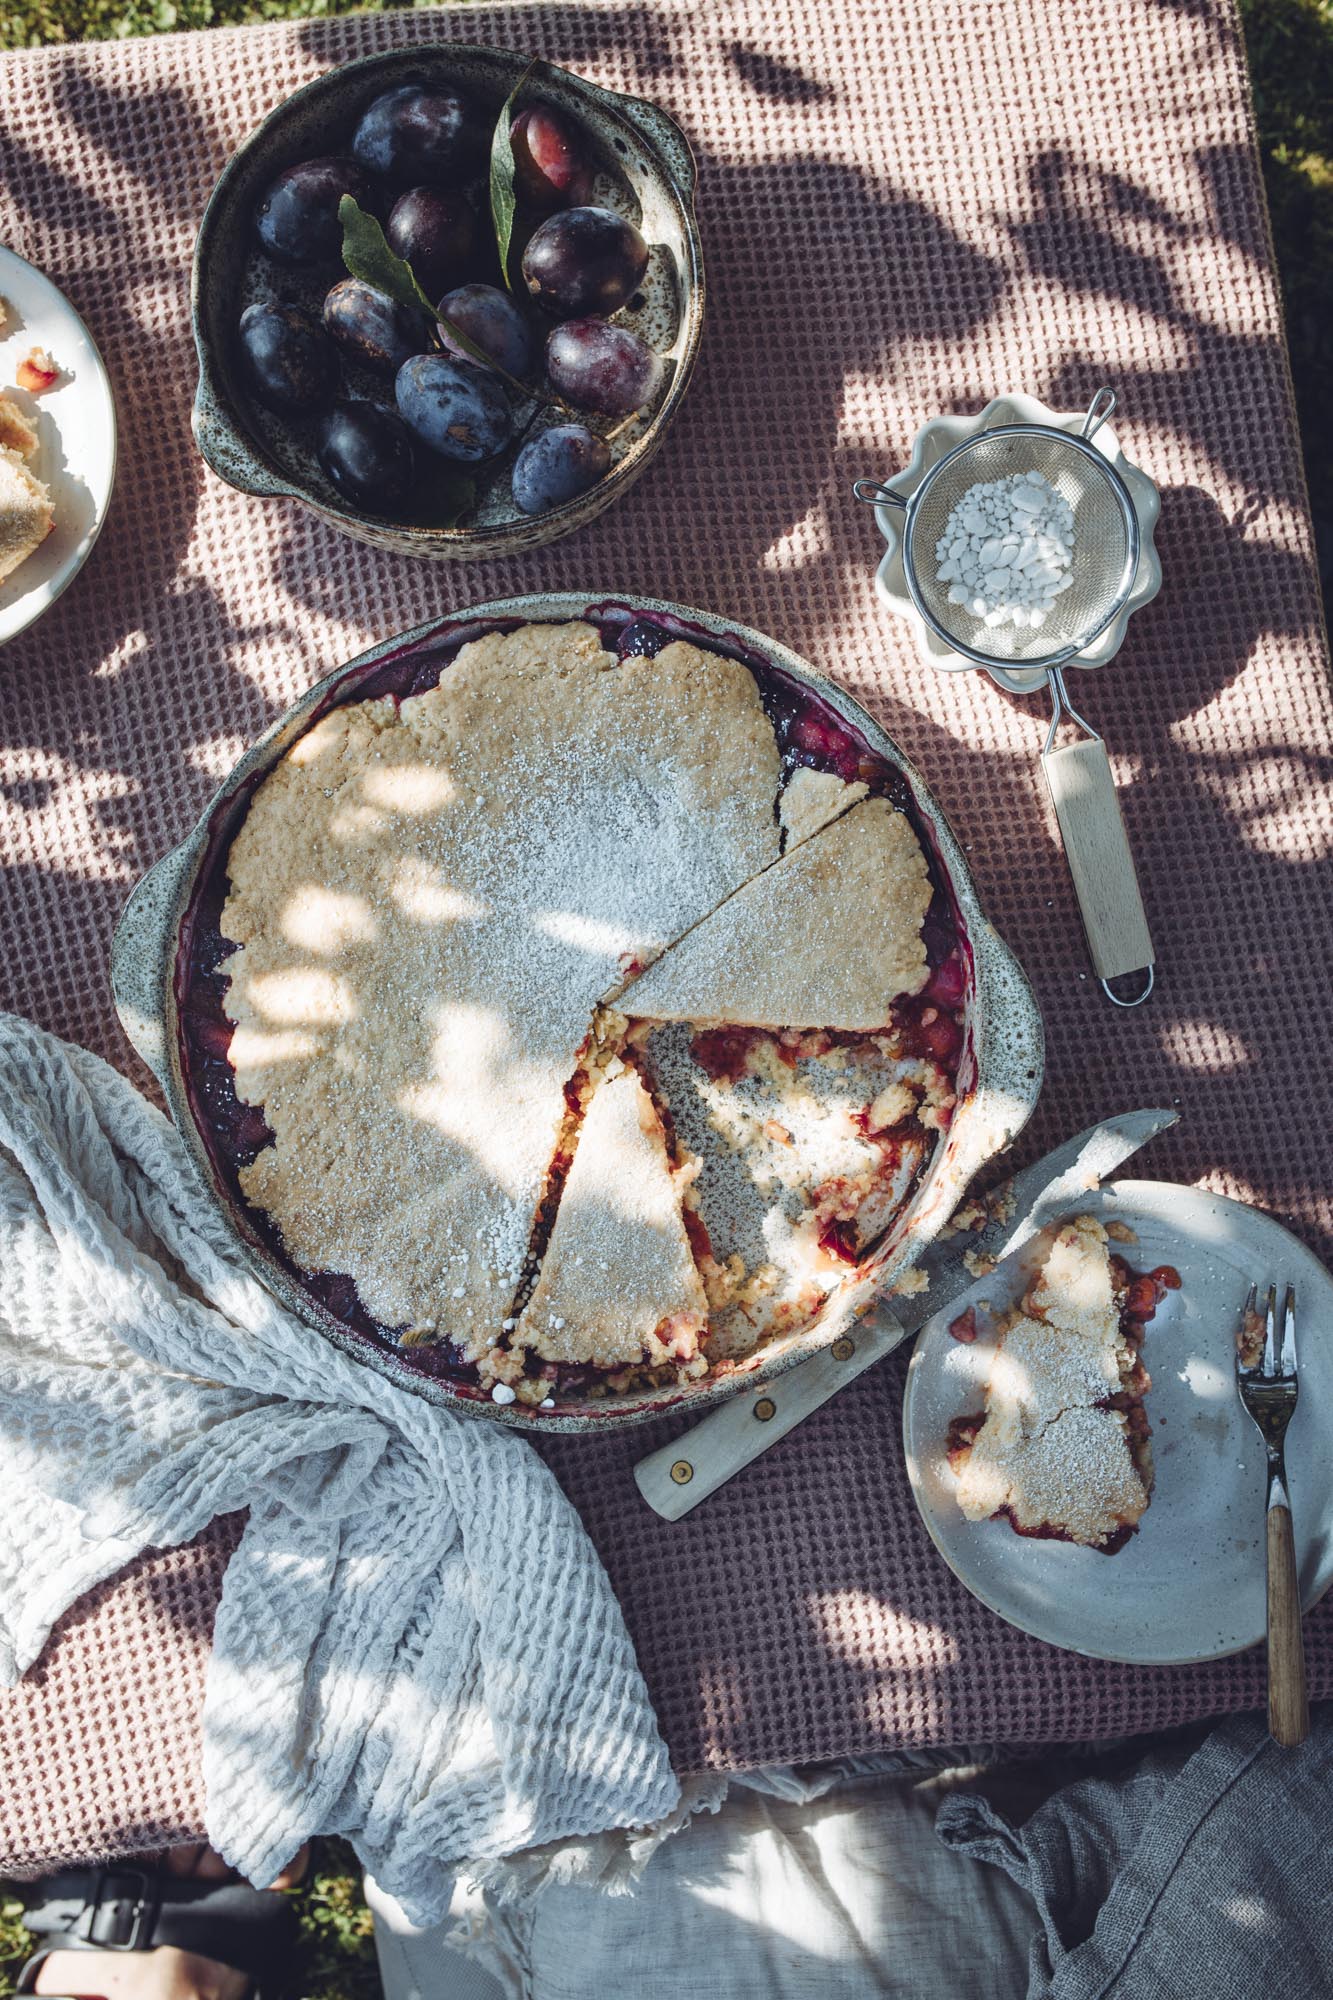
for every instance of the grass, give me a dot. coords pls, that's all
(1290, 45)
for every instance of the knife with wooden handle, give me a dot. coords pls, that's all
(678, 1477)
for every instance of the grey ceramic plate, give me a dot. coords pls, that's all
(999, 1077)
(646, 170)
(1190, 1584)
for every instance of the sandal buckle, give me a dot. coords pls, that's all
(123, 1912)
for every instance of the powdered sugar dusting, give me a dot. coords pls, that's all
(430, 900)
(1050, 1453)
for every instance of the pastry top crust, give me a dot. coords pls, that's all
(430, 900)
(810, 799)
(1049, 1451)
(618, 1282)
(25, 512)
(826, 938)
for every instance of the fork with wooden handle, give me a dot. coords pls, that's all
(1266, 1379)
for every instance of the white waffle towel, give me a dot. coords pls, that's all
(416, 1645)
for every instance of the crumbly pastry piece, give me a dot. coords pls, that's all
(619, 1286)
(810, 799)
(26, 518)
(1059, 1449)
(826, 938)
(17, 433)
(429, 899)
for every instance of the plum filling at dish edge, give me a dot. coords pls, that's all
(811, 735)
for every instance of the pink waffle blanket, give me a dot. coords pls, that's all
(905, 212)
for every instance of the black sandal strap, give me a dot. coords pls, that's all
(123, 1907)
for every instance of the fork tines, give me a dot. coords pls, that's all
(1276, 1359)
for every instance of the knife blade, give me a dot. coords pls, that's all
(675, 1479)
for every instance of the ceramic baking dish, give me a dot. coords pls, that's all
(161, 980)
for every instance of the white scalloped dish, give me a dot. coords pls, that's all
(943, 435)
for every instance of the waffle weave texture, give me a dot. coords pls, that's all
(906, 210)
(415, 1645)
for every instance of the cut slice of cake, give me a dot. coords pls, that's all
(17, 431)
(618, 1285)
(1062, 1446)
(26, 518)
(828, 937)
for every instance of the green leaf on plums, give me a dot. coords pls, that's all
(367, 255)
(503, 202)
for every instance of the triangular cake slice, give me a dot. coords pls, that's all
(618, 1285)
(1062, 1447)
(828, 937)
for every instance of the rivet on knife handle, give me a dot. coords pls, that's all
(679, 1476)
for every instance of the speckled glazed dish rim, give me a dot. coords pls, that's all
(237, 456)
(999, 1077)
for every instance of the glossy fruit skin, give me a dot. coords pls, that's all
(435, 231)
(490, 317)
(373, 329)
(367, 453)
(288, 359)
(552, 166)
(297, 219)
(585, 260)
(601, 367)
(456, 410)
(557, 465)
(420, 132)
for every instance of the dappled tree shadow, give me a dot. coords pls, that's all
(835, 289)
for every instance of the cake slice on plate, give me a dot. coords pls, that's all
(26, 518)
(1061, 1449)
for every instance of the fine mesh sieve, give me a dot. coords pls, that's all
(1105, 549)
(1102, 569)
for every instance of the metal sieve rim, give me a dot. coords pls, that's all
(1043, 662)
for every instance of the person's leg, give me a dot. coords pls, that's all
(771, 1898)
(418, 1964)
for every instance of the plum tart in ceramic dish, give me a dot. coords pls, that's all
(556, 1018)
(575, 1012)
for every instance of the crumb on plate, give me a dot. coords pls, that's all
(36, 371)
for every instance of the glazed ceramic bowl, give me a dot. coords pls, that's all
(168, 998)
(943, 435)
(645, 169)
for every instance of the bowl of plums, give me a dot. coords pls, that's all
(449, 299)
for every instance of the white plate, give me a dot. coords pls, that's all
(76, 424)
(1190, 1584)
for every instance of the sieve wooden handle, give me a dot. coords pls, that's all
(1097, 848)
